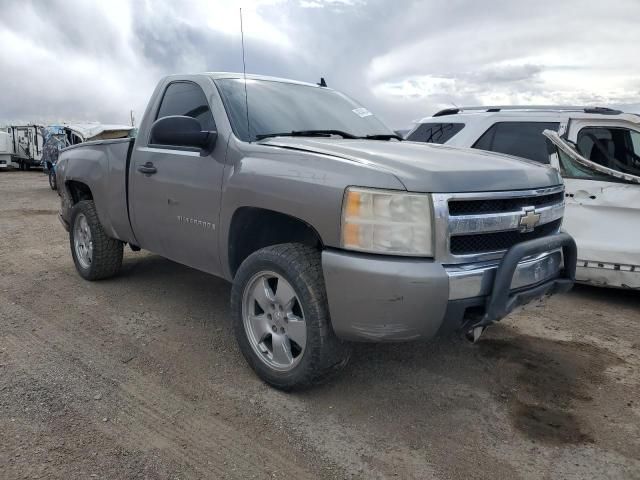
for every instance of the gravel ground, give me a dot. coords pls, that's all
(140, 377)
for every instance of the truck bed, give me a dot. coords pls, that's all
(104, 166)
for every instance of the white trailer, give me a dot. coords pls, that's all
(27, 145)
(6, 150)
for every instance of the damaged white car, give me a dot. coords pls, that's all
(597, 150)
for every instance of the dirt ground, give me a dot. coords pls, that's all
(140, 377)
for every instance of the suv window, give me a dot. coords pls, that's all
(616, 148)
(186, 99)
(569, 168)
(435, 132)
(522, 139)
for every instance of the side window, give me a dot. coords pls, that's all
(616, 148)
(186, 99)
(569, 168)
(522, 139)
(635, 140)
(435, 132)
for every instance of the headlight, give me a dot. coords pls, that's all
(384, 221)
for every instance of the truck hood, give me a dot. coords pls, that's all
(423, 167)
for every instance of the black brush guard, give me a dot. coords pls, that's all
(502, 300)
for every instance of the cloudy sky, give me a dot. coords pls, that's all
(82, 60)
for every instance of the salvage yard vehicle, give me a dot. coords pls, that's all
(598, 154)
(27, 142)
(54, 141)
(6, 150)
(330, 228)
(88, 132)
(58, 137)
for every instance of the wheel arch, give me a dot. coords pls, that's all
(78, 191)
(253, 228)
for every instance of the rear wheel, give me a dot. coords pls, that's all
(281, 317)
(95, 254)
(52, 180)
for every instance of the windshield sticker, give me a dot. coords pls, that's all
(362, 112)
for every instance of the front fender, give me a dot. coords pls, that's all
(306, 186)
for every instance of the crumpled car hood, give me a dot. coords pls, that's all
(423, 167)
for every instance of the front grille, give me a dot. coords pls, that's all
(493, 242)
(498, 205)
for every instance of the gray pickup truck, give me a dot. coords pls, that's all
(330, 227)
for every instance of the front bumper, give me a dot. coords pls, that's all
(377, 298)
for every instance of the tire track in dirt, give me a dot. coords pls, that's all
(147, 414)
(145, 425)
(66, 303)
(340, 451)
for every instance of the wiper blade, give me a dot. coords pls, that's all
(383, 136)
(306, 133)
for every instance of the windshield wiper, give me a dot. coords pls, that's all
(306, 133)
(383, 136)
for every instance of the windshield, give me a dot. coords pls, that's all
(279, 107)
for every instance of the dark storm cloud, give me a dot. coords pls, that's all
(166, 42)
(82, 60)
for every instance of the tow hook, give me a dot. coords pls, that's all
(474, 333)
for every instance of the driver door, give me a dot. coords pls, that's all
(175, 191)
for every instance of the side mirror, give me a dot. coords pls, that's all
(182, 131)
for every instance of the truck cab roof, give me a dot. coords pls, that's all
(240, 75)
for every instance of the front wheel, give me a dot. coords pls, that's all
(52, 180)
(281, 317)
(95, 254)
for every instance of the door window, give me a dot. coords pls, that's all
(612, 147)
(569, 168)
(435, 132)
(522, 139)
(187, 99)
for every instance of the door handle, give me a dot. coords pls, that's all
(147, 169)
(584, 194)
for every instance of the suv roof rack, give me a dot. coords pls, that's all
(555, 108)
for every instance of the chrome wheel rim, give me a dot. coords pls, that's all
(82, 241)
(274, 321)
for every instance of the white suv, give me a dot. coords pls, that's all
(596, 149)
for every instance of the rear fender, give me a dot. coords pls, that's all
(101, 166)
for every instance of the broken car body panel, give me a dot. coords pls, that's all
(87, 132)
(603, 215)
(573, 153)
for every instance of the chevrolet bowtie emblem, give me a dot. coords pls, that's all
(529, 219)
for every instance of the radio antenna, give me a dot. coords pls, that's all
(244, 72)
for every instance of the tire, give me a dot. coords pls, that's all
(105, 257)
(322, 353)
(27, 166)
(52, 180)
